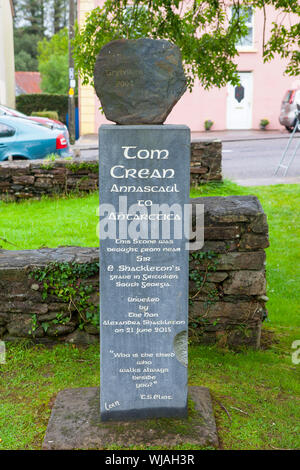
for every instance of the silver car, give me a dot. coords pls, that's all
(288, 111)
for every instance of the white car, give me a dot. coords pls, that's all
(289, 110)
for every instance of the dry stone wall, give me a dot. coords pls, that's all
(206, 161)
(227, 283)
(36, 178)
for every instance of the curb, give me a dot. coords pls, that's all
(94, 146)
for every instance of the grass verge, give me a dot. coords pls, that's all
(256, 393)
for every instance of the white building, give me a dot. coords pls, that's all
(7, 62)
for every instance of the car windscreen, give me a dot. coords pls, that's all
(6, 110)
(287, 96)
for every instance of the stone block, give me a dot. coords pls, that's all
(227, 313)
(254, 241)
(23, 180)
(234, 261)
(22, 326)
(245, 282)
(143, 86)
(57, 329)
(75, 424)
(222, 233)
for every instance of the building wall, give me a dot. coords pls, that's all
(87, 97)
(269, 86)
(7, 64)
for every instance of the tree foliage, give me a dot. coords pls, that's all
(57, 44)
(54, 74)
(53, 58)
(35, 20)
(204, 30)
(31, 15)
(25, 50)
(59, 15)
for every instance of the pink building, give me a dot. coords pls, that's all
(263, 87)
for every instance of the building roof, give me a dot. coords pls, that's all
(28, 82)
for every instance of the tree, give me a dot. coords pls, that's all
(54, 74)
(203, 30)
(24, 62)
(35, 20)
(58, 44)
(28, 30)
(53, 63)
(31, 15)
(25, 45)
(59, 14)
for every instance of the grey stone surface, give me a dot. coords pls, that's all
(143, 294)
(75, 424)
(139, 81)
(230, 208)
(42, 257)
(246, 282)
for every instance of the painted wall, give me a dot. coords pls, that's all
(7, 64)
(269, 86)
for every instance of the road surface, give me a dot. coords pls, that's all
(251, 162)
(254, 162)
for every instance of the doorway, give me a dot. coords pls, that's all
(239, 103)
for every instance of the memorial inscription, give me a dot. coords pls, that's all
(143, 271)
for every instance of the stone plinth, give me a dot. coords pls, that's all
(75, 424)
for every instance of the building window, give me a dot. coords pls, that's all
(247, 12)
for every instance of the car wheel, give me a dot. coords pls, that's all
(291, 128)
(18, 157)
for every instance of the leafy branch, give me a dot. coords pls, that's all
(206, 32)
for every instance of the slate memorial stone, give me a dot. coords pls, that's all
(144, 181)
(139, 81)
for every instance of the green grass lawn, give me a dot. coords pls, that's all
(256, 393)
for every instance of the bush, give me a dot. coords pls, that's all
(31, 103)
(47, 114)
(264, 123)
(208, 124)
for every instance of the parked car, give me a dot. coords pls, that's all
(288, 112)
(51, 123)
(24, 139)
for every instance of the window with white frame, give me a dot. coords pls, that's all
(247, 41)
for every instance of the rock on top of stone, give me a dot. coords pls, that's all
(139, 81)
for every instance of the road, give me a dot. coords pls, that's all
(254, 162)
(251, 162)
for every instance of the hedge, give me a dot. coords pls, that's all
(34, 102)
(46, 114)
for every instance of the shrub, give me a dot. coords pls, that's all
(263, 123)
(47, 114)
(208, 124)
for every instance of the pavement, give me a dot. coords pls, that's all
(90, 141)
